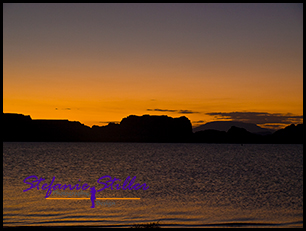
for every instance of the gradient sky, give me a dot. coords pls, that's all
(97, 63)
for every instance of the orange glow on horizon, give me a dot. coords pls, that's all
(104, 72)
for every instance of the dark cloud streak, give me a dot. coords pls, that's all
(259, 117)
(162, 110)
(67, 108)
(173, 111)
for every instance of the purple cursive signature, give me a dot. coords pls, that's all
(107, 184)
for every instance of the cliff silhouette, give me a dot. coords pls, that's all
(17, 127)
(146, 128)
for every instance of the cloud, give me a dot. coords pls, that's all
(163, 110)
(259, 117)
(176, 111)
(187, 112)
(67, 108)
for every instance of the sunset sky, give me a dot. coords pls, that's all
(97, 63)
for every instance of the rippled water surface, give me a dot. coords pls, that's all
(192, 185)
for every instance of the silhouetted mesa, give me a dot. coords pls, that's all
(19, 127)
(146, 128)
(16, 127)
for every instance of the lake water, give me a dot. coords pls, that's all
(190, 185)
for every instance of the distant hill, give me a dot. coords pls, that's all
(293, 134)
(226, 125)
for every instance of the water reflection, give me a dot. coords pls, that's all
(189, 184)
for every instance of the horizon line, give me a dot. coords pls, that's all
(194, 124)
(59, 198)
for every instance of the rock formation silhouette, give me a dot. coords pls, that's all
(146, 128)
